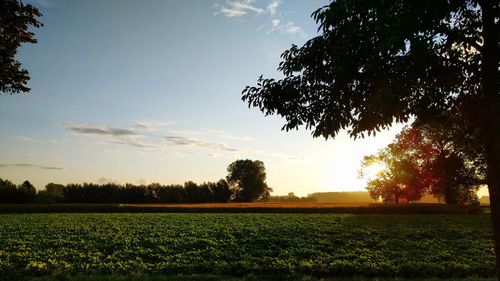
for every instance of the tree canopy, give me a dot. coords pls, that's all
(375, 62)
(247, 178)
(16, 19)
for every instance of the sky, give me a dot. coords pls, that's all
(150, 91)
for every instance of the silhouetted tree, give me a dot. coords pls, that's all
(8, 191)
(53, 193)
(455, 183)
(27, 193)
(291, 197)
(220, 191)
(376, 62)
(247, 178)
(169, 193)
(16, 18)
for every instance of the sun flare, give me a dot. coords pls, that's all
(373, 170)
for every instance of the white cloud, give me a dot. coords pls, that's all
(240, 8)
(291, 28)
(237, 8)
(288, 28)
(273, 7)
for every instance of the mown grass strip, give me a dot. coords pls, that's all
(283, 208)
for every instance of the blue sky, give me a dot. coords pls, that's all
(150, 91)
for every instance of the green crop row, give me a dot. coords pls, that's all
(241, 244)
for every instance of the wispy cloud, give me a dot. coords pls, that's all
(24, 138)
(27, 165)
(288, 28)
(240, 8)
(195, 143)
(237, 8)
(164, 138)
(151, 125)
(98, 130)
(212, 133)
(119, 135)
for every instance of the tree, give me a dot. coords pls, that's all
(421, 159)
(27, 192)
(375, 62)
(53, 193)
(400, 181)
(220, 191)
(15, 20)
(247, 178)
(8, 191)
(455, 182)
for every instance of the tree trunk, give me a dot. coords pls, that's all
(490, 87)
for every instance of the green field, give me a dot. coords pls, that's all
(321, 245)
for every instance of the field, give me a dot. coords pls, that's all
(233, 245)
(262, 207)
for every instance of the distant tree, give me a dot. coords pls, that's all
(169, 193)
(220, 191)
(375, 62)
(247, 179)
(27, 192)
(53, 193)
(16, 18)
(8, 191)
(291, 197)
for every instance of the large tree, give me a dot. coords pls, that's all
(427, 158)
(247, 179)
(375, 62)
(16, 19)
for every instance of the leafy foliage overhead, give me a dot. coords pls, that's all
(16, 18)
(375, 62)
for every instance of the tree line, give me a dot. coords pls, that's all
(245, 182)
(189, 192)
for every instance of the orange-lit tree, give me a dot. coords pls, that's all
(425, 158)
(404, 176)
(375, 62)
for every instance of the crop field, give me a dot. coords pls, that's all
(321, 245)
(256, 207)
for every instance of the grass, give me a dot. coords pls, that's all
(245, 246)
